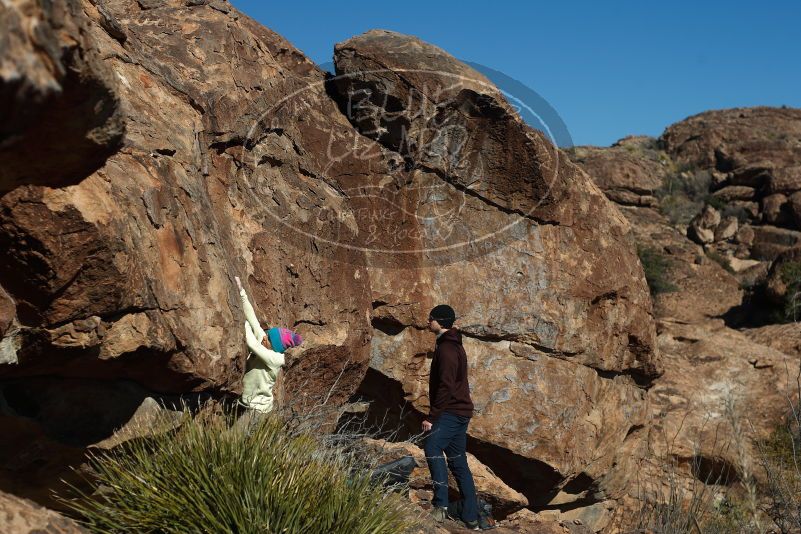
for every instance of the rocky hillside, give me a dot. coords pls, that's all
(153, 150)
(714, 244)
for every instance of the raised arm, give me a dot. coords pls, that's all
(274, 360)
(250, 314)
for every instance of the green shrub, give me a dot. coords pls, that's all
(688, 182)
(782, 445)
(721, 260)
(679, 209)
(729, 515)
(791, 276)
(739, 212)
(716, 202)
(207, 477)
(656, 267)
(683, 193)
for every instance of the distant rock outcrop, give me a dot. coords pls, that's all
(753, 158)
(629, 172)
(743, 162)
(726, 239)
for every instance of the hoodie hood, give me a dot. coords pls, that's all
(453, 335)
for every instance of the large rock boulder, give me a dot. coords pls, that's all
(629, 172)
(123, 227)
(549, 206)
(128, 272)
(554, 310)
(702, 227)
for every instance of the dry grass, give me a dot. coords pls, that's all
(766, 496)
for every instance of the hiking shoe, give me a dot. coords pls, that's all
(481, 524)
(485, 524)
(440, 514)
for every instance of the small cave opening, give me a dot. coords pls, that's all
(75, 411)
(578, 492)
(713, 471)
(51, 422)
(388, 414)
(388, 325)
(579, 484)
(535, 479)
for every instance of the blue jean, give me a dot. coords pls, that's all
(449, 436)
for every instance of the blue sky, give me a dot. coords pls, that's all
(609, 69)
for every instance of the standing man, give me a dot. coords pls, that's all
(450, 413)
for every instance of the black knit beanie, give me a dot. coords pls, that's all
(444, 315)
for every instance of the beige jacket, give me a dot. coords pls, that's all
(262, 366)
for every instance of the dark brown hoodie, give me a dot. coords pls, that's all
(448, 388)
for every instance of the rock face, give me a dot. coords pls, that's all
(185, 162)
(629, 172)
(556, 316)
(121, 269)
(200, 146)
(128, 272)
(50, 75)
(722, 230)
(719, 391)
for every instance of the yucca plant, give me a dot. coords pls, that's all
(206, 477)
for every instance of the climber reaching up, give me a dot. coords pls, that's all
(264, 361)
